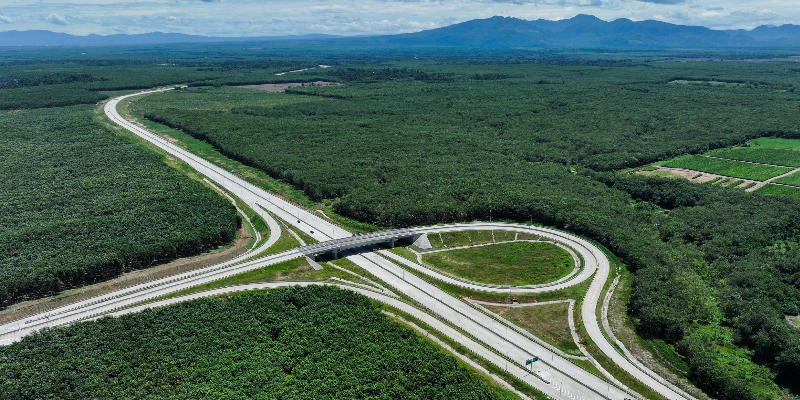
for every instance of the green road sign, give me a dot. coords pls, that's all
(532, 360)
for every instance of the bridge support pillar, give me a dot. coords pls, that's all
(335, 254)
(391, 243)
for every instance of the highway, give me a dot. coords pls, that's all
(556, 376)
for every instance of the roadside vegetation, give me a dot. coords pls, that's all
(549, 322)
(472, 237)
(299, 343)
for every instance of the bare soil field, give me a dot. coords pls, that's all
(695, 176)
(281, 87)
(794, 320)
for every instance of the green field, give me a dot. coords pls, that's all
(780, 190)
(725, 167)
(793, 179)
(776, 143)
(298, 343)
(518, 263)
(762, 155)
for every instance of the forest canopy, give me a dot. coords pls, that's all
(81, 205)
(540, 142)
(295, 343)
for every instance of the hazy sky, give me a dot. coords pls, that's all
(359, 17)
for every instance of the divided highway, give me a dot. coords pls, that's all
(555, 376)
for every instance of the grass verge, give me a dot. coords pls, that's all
(517, 263)
(548, 322)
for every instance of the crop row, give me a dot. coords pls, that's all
(726, 167)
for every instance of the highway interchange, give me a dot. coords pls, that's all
(555, 375)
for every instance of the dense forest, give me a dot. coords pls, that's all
(296, 343)
(79, 204)
(518, 135)
(456, 142)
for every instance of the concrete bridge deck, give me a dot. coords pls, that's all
(332, 248)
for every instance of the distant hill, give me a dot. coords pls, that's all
(579, 31)
(583, 31)
(781, 34)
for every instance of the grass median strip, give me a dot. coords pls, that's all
(548, 322)
(518, 263)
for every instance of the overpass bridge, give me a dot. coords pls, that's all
(332, 248)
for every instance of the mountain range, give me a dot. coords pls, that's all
(584, 31)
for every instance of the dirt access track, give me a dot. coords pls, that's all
(281, 87)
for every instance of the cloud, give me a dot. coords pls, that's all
(56, 19)
(560, 3)
(360, 17)
(663, 1)
(723, 18)
(382, 27)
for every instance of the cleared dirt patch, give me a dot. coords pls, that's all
(794, 320)
(698, 177)
(281, 87)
